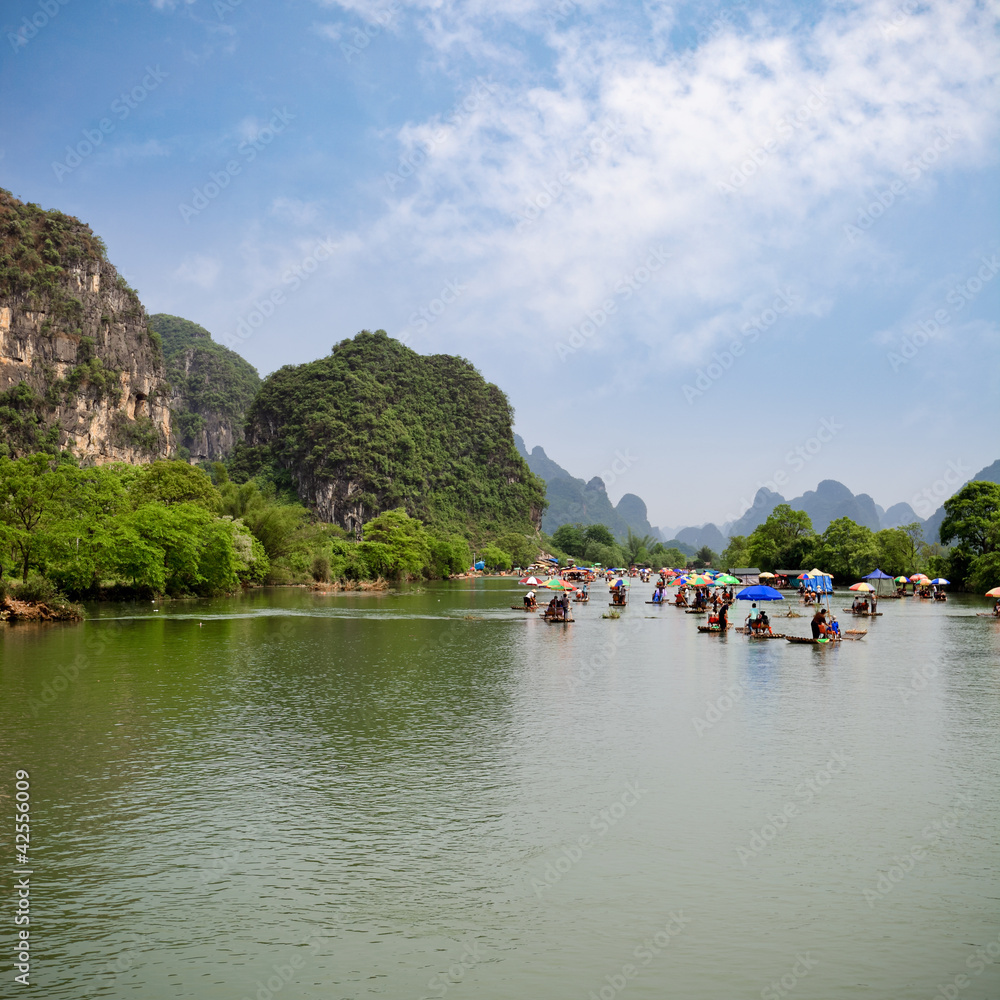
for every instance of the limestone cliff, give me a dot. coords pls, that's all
(79, 368)
(375, 426)
(212, 388)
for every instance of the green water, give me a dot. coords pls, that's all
(287, 795)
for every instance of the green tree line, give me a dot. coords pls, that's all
(967, 551)
(171, 528)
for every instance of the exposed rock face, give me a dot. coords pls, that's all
(212, 389)
(78, 367)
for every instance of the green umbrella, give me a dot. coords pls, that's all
(726, 579)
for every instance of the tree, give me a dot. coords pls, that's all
(972, 516)
(523, 551)
(599, 534)
(736, 554)
(495, 557)
(395, 544)
(637, 548)
(570, 539)
(847, 550)
(705, 557)
(33, 494)
(784, 538)
(170, 482)
(663, 556)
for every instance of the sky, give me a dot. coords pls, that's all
(703, 247)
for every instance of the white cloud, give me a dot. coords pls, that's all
(744, 157)
(200, 270)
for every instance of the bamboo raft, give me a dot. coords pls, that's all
(987, 614)
(523, 607)
(859, 632)
(711, 628)
(864, 614)
(696, 611)
(557, 621)
(809, 642)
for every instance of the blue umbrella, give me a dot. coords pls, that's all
(759, 593)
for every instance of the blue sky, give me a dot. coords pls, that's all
(700, 229)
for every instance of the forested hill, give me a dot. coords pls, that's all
(212, 388)
(375, 426)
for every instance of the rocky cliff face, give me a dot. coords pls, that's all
(78, 366)
(212, 388)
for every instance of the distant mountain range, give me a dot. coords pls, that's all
(574, 500)
(578, 501)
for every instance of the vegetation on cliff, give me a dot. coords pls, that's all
(211, 384)
(78, 367)
(374, 426)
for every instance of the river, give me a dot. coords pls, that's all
(291, 795)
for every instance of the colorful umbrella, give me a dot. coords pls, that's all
(866, 588)
(727, 580)
(699, 580)
(555, 584)
(995, 592)
(680, 581)
(940, 580)
(759, 593)
(919, 578)
(531, 581)
(902, 579)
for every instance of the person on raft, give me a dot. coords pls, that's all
(818, 624)
(529, 600)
